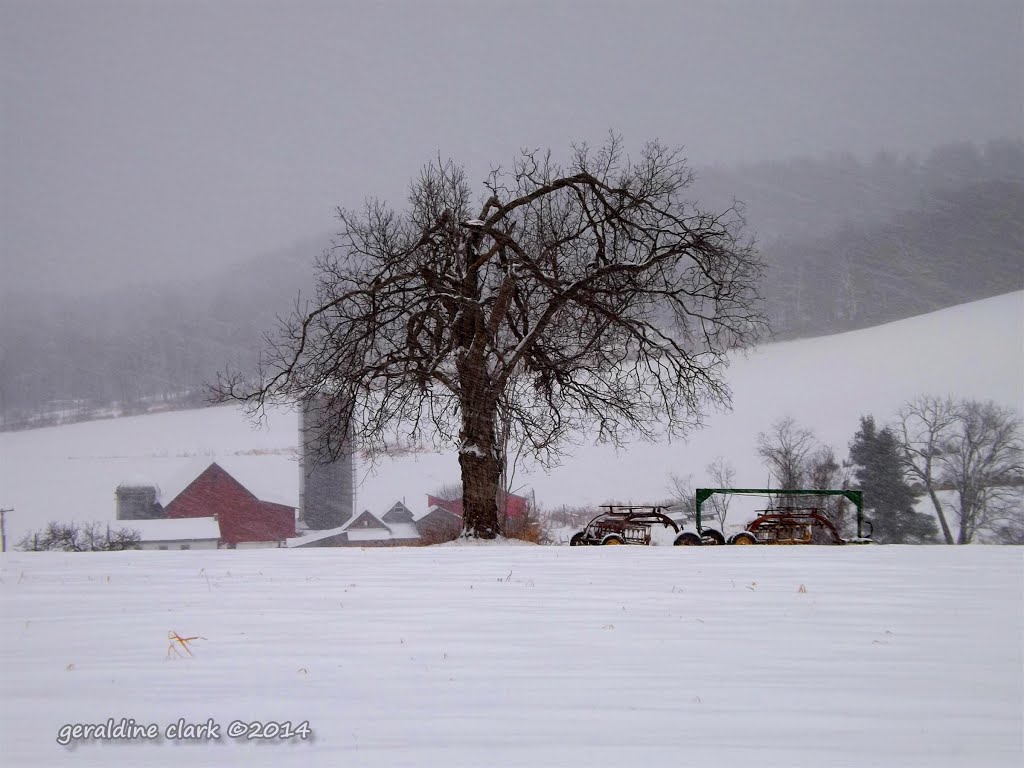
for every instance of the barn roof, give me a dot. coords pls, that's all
(279, 486)
(242, 516)
(399, 513)
(176, 529)
(365, 520)
(437, 509)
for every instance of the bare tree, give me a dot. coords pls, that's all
(80, 537)
(974, 449)
(577, 517)
(797, 460)
(683, 500)
(594, 296)
(723, 475)
(924, 425)
(786, 450)
(681, 495)
(825, 471)
(448, 492)
(984, 463)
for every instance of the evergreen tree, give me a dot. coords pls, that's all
(875, 456)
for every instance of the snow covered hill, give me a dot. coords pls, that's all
(504, 656)
(974, 350)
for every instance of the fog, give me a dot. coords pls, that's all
(149, 141)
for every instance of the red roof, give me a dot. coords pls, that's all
(242, 517)
(453, 505)
(515, 506)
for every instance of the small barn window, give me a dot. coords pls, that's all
(162, 546)
(185, 546)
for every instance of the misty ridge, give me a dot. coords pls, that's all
(849, 243)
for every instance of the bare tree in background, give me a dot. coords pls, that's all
(593, 297)
(681, 496)
(924, 424)
(448, 492)
(797, 460)
(80, 537)
(973, 448)
(723, 475)
(786, 450)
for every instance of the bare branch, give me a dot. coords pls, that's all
(592, 298)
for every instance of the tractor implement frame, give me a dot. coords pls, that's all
(857, 497)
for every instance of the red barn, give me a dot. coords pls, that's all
(444, 520)
(242, 517)
(515, 506)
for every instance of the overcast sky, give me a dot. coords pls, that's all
(143, 140)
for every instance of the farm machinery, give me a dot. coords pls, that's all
(633, 525)
(786, 525)
(777, 525)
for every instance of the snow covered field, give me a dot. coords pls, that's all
(532, 656)
(975, 350)
(522, 656)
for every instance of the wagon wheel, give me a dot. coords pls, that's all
(711, 537)
(613, 539)
(688, 539)
(744, 537)
(576, 540)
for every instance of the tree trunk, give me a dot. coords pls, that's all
(947, 534)
(968, 511)
(480, 460)
(479, 453)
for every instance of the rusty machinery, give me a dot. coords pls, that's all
(631, 525)
(786, 525)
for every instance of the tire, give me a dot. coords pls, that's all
(688, 539)
(711, 537)
(744, 537)
(577, 540)
(613, 539)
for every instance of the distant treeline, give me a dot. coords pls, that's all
(139, 348)
(849, 244)
(965, 246)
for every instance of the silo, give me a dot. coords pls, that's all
(326, 485)
(137, 502)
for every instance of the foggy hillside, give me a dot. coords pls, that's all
(848, 243)
(809, 198)
(963, 246)
(851, 243)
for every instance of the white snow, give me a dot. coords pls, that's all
(974, 350)
(399, 531)
(523, 656)
(310, 537)
(175, 529)
(527, 656)
(663, 536)
(403, 530)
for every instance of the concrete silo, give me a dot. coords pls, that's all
(326, 485)
(137, 501)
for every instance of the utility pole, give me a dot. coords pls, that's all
(3, 529)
